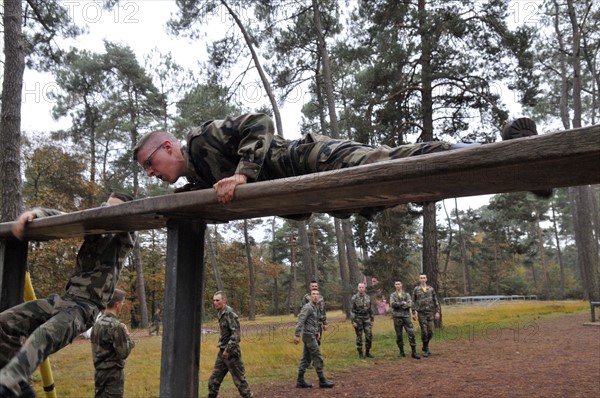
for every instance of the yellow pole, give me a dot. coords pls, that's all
(45, 369)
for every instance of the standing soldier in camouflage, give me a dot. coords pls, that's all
(401, 305)
(156, 321)
(223, 154)
(229, 358)
(307, 326)
(322, 311)
(362, 321)
(428, 308)
(52, 323)
(111, 345)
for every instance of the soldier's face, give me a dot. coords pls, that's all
(218, 302)
(159, 161)
(423, 279)
(398, 286)
(314, 286)
(361, 288)
(314, 296)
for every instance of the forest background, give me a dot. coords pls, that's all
(385, 72)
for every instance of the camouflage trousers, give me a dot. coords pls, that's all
(311, 352)
(47, 325)
(238, 374)
(316, 153)
(363, 325)
(400, 323)
(110, 383)
(426, 323)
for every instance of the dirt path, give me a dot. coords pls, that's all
(548, 358)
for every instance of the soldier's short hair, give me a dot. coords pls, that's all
(221, 293)
(117, 297)
(122, 196)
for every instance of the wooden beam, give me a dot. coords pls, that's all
(567, 158)
(13, 264)
(182, 315)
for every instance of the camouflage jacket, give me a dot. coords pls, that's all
(231, 335)
(110, 343)
(243, 145)
(361, 307)
(308, 320)
(400, 304)
(320, 304)
(98, 266)
(425, 301)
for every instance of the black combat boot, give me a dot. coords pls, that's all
(360, 353)
(324, 383)
(519, 128)
(301, 383)
(402, 355)
(426, 352)
(414, 352)
(368, 352)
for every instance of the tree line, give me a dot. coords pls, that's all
(384, 72)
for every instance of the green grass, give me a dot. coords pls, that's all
(269, 354)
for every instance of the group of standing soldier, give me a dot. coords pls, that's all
(405, 308)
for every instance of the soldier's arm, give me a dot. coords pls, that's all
(255, 133)
(436, 303)
(235, 334)
(122, 342)
(301, 321)
(324, 314)
(394, 302)
(26, 217)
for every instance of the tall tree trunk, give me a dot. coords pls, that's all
(335, 133)
(252, 309)
(430, 259)
(140, 285)
(342, 260)
(137, 257)
(463, 254)
(561, 263)
(543, 258)
(275, 295)
(213, 260)
(444, 279)
(294, 290)
(10, 119)
(306, 254)
(354, 272)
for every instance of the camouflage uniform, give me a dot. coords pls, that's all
(322, 313)
(111, 345)
(401, 303)
(426, 304)
(247, 145)
(229, 341)
(52, 323)
(156, 321)
(362, 316)
(307, 325)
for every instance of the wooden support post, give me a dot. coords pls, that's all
(13, 263)
(182, 319)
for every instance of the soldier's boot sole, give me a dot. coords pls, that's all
(519, 128)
